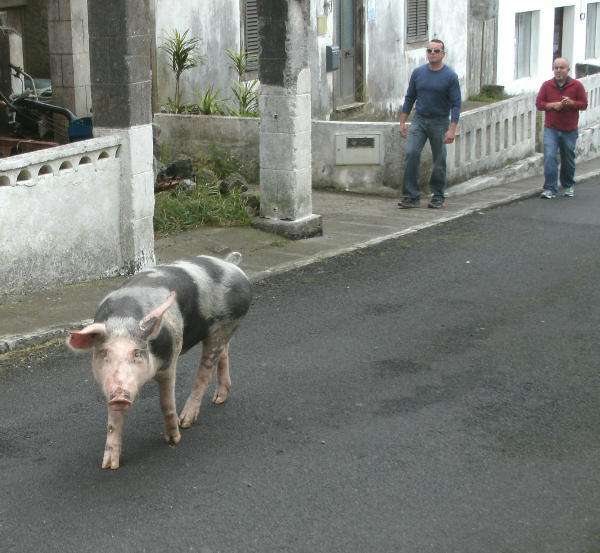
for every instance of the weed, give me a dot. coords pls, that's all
(181, 209)
(220, 162)
(165, 153)
(490, 93)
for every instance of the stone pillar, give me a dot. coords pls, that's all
(285, 125)
(69, 55)
(11, 49)
(120, 34)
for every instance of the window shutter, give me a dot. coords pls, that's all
(251, 38)
(416, 20)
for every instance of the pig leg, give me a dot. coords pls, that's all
(223, 378)
(166, 388)
(114, 434)
(211, 352)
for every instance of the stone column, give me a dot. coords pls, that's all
(11, 50)
(69, 55)
(285, 125)
(120, 34)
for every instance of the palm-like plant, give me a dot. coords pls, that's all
(245, 93)
(182, 53)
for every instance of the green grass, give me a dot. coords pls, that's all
(490, 94)
(179, 209)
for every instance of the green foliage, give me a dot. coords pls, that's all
(245, 93)
(182, 53)
(240, 61)
(221, 162)
(165, 153)
(181, 209)
(246, 99)
(490, 93)
(208, 103)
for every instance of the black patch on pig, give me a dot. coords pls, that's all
(213, 269)
(195, 325)
(123, 306)
(238, 298)
(162, 347)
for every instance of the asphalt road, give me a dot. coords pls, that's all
(434, 394)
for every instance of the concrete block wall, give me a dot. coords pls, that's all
(60, 216)
(194, 136)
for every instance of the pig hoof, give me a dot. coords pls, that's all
(188, 416)
(110, 462)
(173, 436)
(220, 397)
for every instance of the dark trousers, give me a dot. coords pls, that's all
(421, 130)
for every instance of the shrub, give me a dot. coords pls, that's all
(180, 208)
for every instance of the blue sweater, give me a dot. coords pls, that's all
(437, 93)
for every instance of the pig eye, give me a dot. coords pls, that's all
(103, 353)
(137, 353)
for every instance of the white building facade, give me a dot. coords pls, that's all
(534, 32)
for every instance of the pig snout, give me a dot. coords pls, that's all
(119, 401)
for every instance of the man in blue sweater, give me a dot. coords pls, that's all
(436, 90)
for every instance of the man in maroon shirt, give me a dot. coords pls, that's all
(561, 98)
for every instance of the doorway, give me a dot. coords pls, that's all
(563, 32)
(346, 33)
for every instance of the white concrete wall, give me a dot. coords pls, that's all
(217, 25)
(389, 60)
(574, 41)
(60, 216)
(488, 138)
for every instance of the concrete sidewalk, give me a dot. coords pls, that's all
(350, 222)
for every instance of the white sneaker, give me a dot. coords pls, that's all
(569, 192)
(547, 194)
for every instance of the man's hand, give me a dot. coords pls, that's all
(403, 129)
(557, 106)
(449, 136)
(566, 101)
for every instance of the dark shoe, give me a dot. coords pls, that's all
(436, 203)
(407, 203)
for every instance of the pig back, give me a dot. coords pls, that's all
(211, 294)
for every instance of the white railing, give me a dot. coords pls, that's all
(31, 168)
(591, 116)
(492, 136)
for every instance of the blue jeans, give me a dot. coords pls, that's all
(421, 130)
(563, 142)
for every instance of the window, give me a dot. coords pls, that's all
(525, 43)
(592, 31)
(416, 20)
(251, 38)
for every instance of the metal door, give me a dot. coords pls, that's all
(345, 92)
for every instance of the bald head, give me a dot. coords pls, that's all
(561, 70)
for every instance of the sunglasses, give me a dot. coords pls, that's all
(434, 50)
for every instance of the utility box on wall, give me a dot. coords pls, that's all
(355, 149)
(333, 58)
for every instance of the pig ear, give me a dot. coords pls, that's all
(150, 324)
(84, 339)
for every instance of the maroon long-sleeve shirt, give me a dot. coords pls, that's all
(568, 117)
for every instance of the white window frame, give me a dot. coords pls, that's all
(526, 44)
(592, 31)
